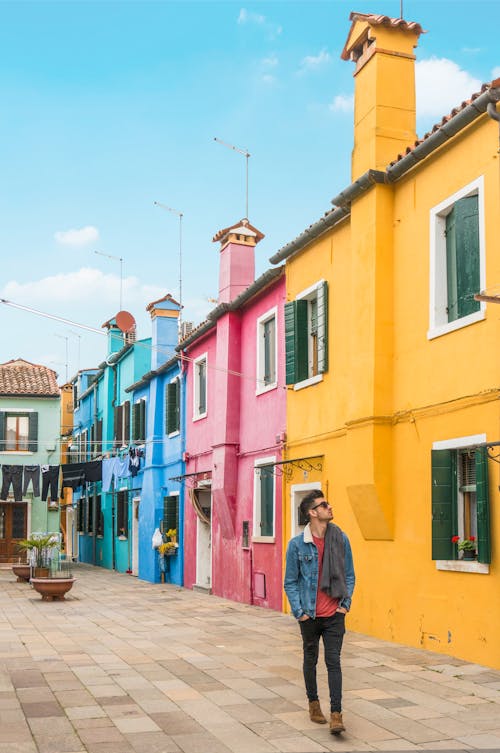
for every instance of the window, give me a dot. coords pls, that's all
(96, 438)
(306, 336)
(264, 494)
(18, 431)
(89, 510)
(122, 424)
(266, 352)
(460, 503)
(80, 516)
(457, 260)
(99, 516)
(139, 424)
(83, 440)
(200, 387)
(171, 514)
(122, 514)
(172, 407)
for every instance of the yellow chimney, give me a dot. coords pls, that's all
(384, 92)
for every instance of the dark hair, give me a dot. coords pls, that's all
(308, 502)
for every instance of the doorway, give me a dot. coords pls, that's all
(204, 540)
(135, 536)
(13, 528)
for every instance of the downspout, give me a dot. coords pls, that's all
(113, 493)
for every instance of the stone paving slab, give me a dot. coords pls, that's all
(124, 666)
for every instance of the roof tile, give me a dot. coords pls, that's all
(19, 377)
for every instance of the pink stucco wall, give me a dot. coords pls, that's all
(240, 428)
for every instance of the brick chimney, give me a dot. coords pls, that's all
(237, 258)
(384, 92)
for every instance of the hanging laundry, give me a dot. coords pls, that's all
(93, 470)
(50, 478)
(32, 473)
(73, 475)
(12, 474)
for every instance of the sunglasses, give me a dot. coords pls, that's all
(325, 505)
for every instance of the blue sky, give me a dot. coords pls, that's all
(110, 106)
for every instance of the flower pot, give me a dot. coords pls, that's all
(52, 589)
(469, 554)
(41, 572)
(23, 572)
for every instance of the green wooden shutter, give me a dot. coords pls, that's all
(483, 506)
(266, 500)
(467, 249)
(2, 430)
(296, 342)
(33, 432)
(451, 266)
(444, 503)
(322, 323)
(290, 342)
(177, 405)
(171, 513)
(172, 407)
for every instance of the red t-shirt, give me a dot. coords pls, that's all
(325, 605)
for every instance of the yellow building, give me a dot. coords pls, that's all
(392, 364)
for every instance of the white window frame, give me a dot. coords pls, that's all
(262, 388)
(256, 536)
(461, 566)
(196, 387)
(309, 294)
(438, 319)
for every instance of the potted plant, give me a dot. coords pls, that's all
(39, 549)
(467, 546)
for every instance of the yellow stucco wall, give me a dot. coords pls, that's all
(390, 392)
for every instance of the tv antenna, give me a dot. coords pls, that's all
(120, 259)
(180, 215)
(245, 154)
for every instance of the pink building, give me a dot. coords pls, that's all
(235, 429)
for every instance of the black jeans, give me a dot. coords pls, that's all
(12, 474)
(332, 630)
(50, 477)
(32, 473)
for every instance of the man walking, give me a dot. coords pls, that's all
(319, 581)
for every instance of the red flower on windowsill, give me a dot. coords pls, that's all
(467, 544)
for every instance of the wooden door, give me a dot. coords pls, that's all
(13, 527)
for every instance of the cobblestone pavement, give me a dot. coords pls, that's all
(124, 666)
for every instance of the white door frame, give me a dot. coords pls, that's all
(297, 493)
(204, 549)
(135, 535)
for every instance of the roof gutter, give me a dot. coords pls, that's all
(151, 374)
(343, 200)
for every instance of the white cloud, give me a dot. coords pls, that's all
(495, 73)
(270, 62)
(77, 236)
(442, 85)
(342, 103)
(245, 17)
(313, 62)
(268, 79)
(88, 287)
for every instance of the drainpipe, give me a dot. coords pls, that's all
(113, 493)
(94, 497)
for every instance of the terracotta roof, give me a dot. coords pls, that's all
(18, 377)
(239, 227)
(485, 87)
(167, 297)
(396, 23)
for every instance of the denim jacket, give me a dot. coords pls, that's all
(301, 574)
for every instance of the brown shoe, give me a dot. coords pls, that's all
(336, 723)
(315, 713)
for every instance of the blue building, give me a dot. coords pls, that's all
(120, 417)
(160, 504)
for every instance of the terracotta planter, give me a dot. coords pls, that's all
(41, 572)
(469, 554)
(52, 589)
(23, 572)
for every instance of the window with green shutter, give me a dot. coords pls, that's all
(139, 421)
(460, 502)
(264, 500)
(172, 408)
(306, 335)
(462, 258)
(18, 431)
(170, 514)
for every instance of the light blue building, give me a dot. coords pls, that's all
(121, 412)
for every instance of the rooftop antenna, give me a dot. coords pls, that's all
(120, 259)
(401, 8)
(180, 215)
(245, 154)
(65, 337)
